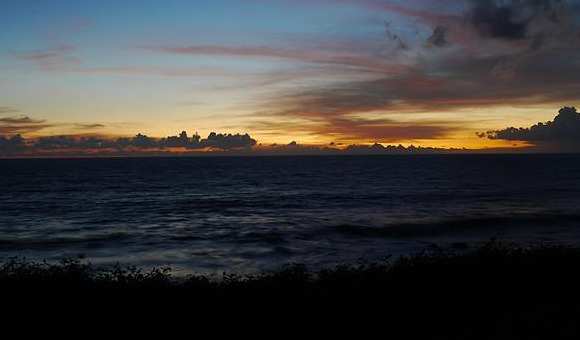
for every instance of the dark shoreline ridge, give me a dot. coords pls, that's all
(494, 292)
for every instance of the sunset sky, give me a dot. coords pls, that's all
(429, 73)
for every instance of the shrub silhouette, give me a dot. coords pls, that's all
(494, 292)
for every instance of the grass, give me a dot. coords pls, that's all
(494, 292)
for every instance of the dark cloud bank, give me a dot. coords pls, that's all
(563, 133)
(17, 145)
(517, 19)
(214, 144)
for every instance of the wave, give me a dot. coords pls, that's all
(58, 241)
(457, 225)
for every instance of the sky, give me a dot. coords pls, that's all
(322, 73)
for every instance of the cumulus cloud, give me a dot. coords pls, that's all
(227, 141)
(214, 144)
(214, 141)
(11, 144)
(294, 148)
(563, 131)
(379, 149)
(516, 19)
(66, 142)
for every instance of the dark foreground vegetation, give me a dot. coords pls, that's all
(494, 292)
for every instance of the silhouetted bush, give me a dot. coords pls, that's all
(494, 292)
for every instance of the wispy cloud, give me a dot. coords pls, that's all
(63, 30)
(20, 120)
(166, 71)
(11, 129)
(507, 61)
(5, 109)
(302, 55)
(382, 130)
(477, 54)
(58, 57)
(89, 126)
(22, 124)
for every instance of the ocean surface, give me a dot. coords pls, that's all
(249, 214)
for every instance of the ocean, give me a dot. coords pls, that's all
(250, 214)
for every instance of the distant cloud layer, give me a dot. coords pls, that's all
(18, 145)
(214, 144)
(563, 131)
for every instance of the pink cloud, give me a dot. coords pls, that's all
(303, 55)
(157, 71)
(53, 58)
